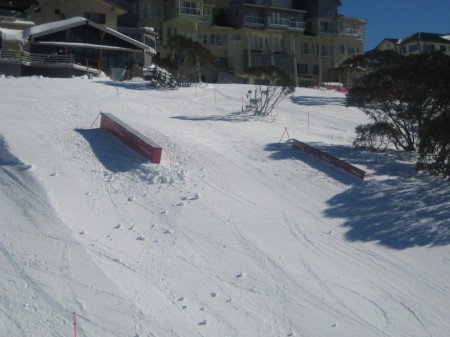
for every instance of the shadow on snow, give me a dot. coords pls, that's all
(232, 117)
(314, 100)
(397, 208)
(144, 85)
(114, 155)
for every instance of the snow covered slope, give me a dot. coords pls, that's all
(233, 234)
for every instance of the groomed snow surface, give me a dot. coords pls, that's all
(234, 233)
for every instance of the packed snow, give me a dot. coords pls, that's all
(234, 233)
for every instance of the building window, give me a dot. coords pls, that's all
(413, 48)
(429, 48)
(217, 41)
(302, 68)
(149, 41)
(203, 39)
(279, 62)
(152, 10)
(222, 62)
(315, 69)
(171, 32)
(57, 11)
(189, 8)
(95, 17)
(443, 48)
(341, 49)
(306, 49)
(327, 27)
(325, 51)
(236, 40)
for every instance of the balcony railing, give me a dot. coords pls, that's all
(351, 31)
(272, 3)
(206, 19)
(33, 59)
(153, 15)
(327, 30)
(278, 22)
(297, 25)
(47, 2)
(253, 21)
(217, 45)
(189, 11)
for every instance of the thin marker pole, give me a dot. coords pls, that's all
(74, 325)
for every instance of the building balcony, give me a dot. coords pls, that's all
(48, 2)
(206, 19)
(297, 26)
(271, 3)
(217, 46)
(328, 30)
(278, 22)
(191, 12)
(153, 15)
(351, 32)
(254, 21)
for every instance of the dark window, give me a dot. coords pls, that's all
(57, 11)
(315, 69)
(222, 62)
(302, 68)
(95, 17)
(429, 48)
(413, 48)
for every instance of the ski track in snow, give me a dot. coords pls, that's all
(226, 237)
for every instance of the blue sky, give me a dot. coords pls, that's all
(398, 18)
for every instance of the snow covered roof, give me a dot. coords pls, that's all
(8, 34)
(52, 27)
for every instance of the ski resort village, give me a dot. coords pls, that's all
(220, 168)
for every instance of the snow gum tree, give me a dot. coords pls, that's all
(186, 59)
(408, 100)
(272, 85)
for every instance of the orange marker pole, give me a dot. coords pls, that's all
(74, 325)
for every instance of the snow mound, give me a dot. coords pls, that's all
(7, 158)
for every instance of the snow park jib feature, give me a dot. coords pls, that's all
(328, 158)
(130, 137)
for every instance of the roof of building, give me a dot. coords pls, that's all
(52, 27)
(17, 5)
(420, 36)
(428, 37)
